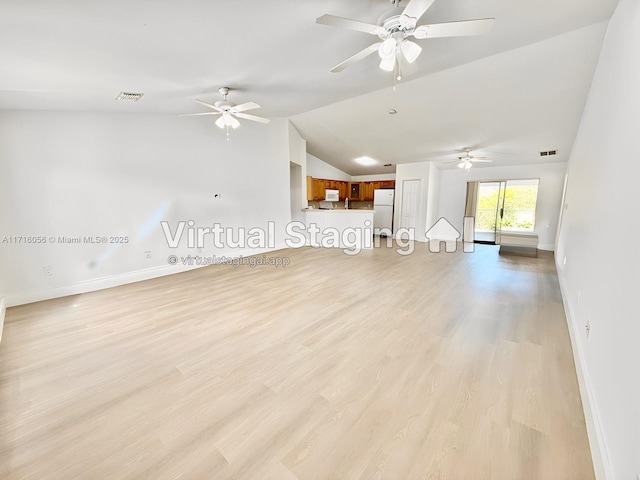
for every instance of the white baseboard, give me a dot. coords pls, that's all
(21, 298)
(599, 454)
(3, 310)
(550, 247)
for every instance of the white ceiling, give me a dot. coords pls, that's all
(507, 107)
(70, 55)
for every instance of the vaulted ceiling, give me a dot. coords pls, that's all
(519, 88)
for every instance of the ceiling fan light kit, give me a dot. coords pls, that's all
(229, 112)
(394, 29)
(466, 161)
(410, 50)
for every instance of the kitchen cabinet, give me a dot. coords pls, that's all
(355, 190)
(367, 190)
(319, 187)
(309, 188)
(352, 190)
(316, 188)
(343, 190)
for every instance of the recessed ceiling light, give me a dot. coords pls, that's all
(392, 111)
(367, 161)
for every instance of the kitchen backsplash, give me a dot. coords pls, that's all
(353, 204)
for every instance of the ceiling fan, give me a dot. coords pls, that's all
(394, 48)
(466, 161)
(228, 111)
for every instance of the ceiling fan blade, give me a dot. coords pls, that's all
(192, 114)
(453, 161)
(245, 106)
(356, 25)
(454, 29)
(252, 117)
(356, 58)
(416, 8)
(210, 105)
(474, 159)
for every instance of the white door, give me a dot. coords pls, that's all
(410, 201)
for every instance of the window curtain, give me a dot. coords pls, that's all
(468, 234)
(472, 199)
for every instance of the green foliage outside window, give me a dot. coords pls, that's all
(519, 208)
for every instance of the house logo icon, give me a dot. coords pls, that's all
(443, 232)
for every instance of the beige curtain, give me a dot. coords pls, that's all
(468, 232)
(472, 199)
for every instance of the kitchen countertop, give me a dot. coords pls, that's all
(339, 210)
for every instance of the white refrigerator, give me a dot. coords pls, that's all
(383, 212)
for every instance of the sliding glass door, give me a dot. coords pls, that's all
(508, 205)
(488, 207)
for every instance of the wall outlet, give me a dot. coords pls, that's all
(147, 254)
(48, 271)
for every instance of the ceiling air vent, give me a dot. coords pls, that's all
(129, 97)
(548, 153)
(388, 165)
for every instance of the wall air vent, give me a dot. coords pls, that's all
(548, 153)
(129, 97)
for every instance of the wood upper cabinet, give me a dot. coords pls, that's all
(319, 187)
(316, 188)
(309, 188)
(367, 190)
(343, 189)
(352, 190)
(355, 190)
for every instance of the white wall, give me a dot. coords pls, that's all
(453, 185)
(297, 156)
(317, 168)
(598, 236)
(433, 200)
(65, 173)
(373, 177)
(412, 171)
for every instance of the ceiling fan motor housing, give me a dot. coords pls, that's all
(395, 27)
(224, 105)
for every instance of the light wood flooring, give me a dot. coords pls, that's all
(429, 366)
